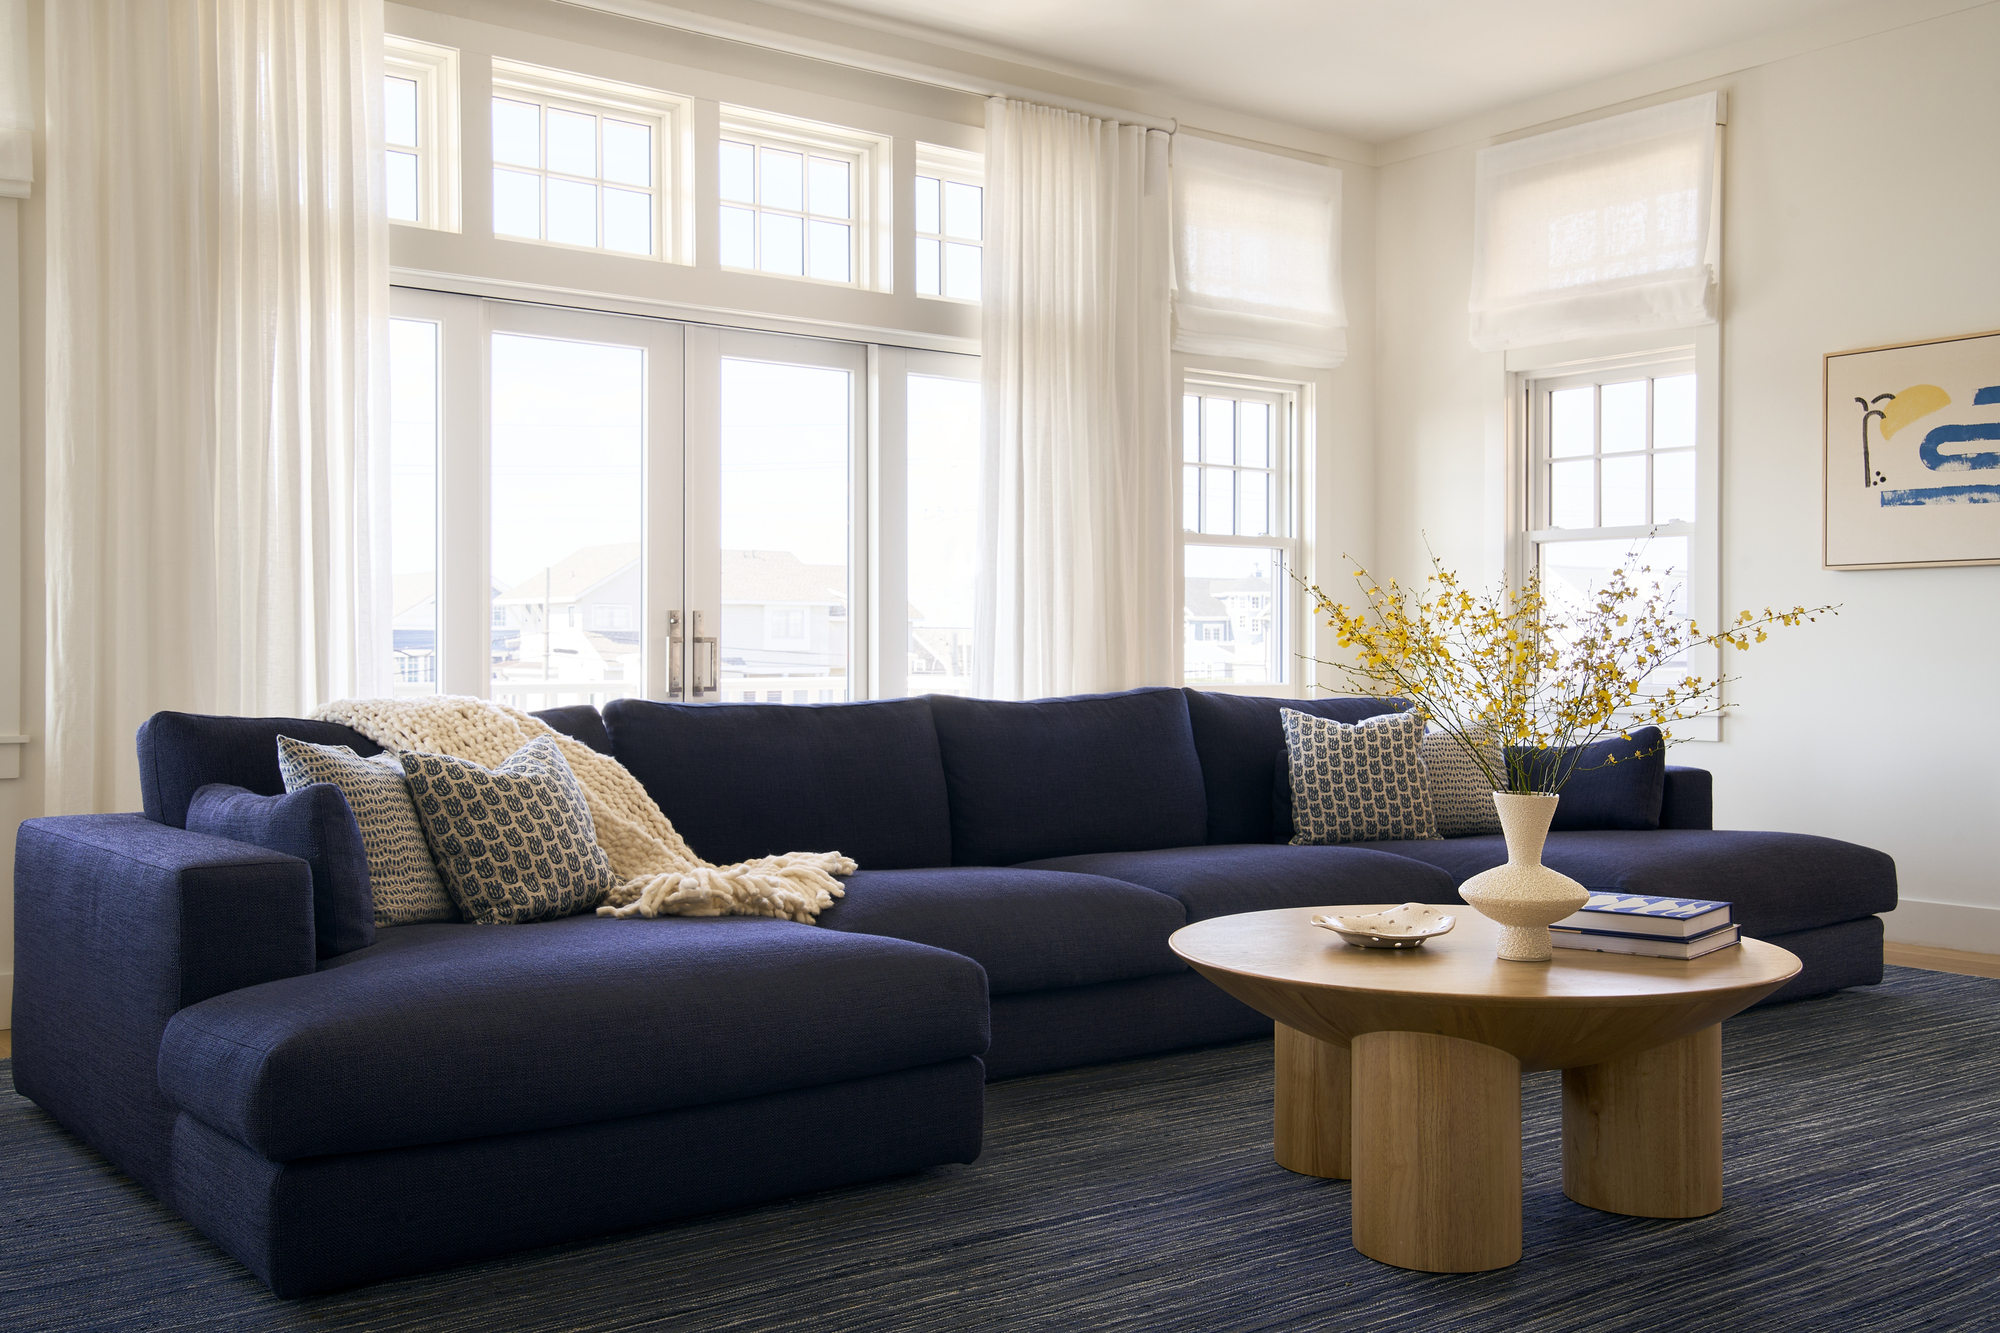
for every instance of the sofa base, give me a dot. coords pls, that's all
(1037, 1031)
(1834, 957)
(323, 1223)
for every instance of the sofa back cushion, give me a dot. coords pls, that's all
(1241, 741)
(1617, 783)
(180, 753)
(1062, 777)
(314, 824)
(745, 780)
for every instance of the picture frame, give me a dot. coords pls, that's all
(1910, 475)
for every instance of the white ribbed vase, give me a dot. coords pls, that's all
(1524, 896)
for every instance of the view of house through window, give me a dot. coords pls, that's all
(943, 531)
(1235, 449)
(413, 504)
(567, 452)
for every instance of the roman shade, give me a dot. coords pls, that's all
(1256, 256)
(1605, 227)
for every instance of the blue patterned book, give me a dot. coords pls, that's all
(1651, 918)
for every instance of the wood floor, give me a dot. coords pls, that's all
(1902, 955)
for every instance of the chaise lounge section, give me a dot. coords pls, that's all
(453, 1091)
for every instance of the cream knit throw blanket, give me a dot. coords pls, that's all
(659, 875)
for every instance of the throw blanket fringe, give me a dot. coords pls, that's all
(660, 874)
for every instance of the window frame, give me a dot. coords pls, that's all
(668, 115)
(440, 164)
(1532, 373)
(1291, 422)
(871, 163)
(959, 167)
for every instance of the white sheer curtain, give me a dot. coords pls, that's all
(217, 308)
(1078, 589)
(1604, 227)
(1256, 255)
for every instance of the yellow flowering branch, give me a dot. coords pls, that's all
(1509, 669)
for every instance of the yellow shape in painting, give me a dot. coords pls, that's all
(1919, 400)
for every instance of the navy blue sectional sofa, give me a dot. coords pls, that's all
(453, 1091)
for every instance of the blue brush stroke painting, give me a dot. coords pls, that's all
(1941, 462)
(1942, 495)
(1989, 394)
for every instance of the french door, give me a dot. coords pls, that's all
(588, 506)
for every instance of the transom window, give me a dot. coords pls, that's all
(1237, 546)
(420, 127)
(573, 168)
(950, 224)
(787, 209)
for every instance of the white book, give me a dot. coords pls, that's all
(1598, 942)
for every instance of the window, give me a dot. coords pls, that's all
(582, 162)
(950, 223)
(414, 392)
(1617, 465)
(420, 125)
(795, 198)
(1237, 545)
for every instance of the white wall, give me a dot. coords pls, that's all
(1861, 207)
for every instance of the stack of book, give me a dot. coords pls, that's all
(1655, 927)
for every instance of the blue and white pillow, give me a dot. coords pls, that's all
(1358, 783)
(516, 843)
(402, 879)
(1461, 797)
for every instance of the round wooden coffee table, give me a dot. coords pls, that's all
(1401, 1069)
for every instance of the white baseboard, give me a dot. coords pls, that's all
(1945, 925)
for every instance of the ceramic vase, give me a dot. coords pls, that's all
(1524, 895)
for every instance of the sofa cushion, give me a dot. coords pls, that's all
(745, 780)
(514, 843)
(1241, 743)
(1357, 782)
(579, 722)
(315, 825)
(402, 877)
(1254, 877)
(445, 1032)
(1778, 882)
(1618, 782)
(180, 753)
(1461, 792)
(1057, 777)
(1030, 929)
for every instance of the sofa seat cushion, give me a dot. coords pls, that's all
(1256, 877)
(1032, 930)
(443, 1032)
(1779, 882)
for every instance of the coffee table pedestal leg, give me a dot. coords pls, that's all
(1310, 1092)
(1642, 1134)
(1437, 1152)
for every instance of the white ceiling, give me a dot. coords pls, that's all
(1371, 69)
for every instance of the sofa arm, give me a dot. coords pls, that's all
(118, 923)
(1690, 798)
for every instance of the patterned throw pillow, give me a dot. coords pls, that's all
(401, 874)
(1461, 797)
(1361, 783)
(516, 842)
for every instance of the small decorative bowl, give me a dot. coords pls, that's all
(1404, 927)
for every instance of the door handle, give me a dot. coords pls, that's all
(714, 683)
(673, 654)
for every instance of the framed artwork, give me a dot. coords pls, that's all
(1912, 470)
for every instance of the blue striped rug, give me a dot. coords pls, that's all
(1863, 1193)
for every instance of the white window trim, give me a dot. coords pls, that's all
(1294, 484)
(869, 196)
(958, 166)
(440, 165)
(669, 115)
(1703, 346)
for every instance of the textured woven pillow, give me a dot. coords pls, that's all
(401, 874)
(1461, 797)
(1360, 783)
(516, 843)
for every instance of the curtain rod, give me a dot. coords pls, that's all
(649, 11)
